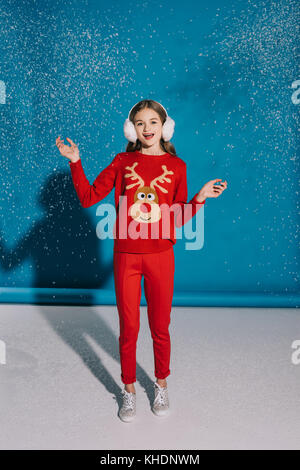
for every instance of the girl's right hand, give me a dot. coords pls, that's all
(72, 153)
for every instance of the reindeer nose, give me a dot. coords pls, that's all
(145, 207)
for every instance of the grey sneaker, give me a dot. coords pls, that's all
(128, 411)
(161, 402)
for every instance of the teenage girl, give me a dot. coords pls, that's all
(148, 177)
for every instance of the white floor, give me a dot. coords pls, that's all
(233, 384)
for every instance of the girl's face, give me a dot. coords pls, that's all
(147, 123)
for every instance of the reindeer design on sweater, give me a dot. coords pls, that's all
(145, 207)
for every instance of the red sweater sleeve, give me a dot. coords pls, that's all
(89, 194)
(182, 214)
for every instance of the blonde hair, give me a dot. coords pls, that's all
(167, 147)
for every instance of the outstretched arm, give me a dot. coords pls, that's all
(88, 194)
(210, 189)
(184, 211)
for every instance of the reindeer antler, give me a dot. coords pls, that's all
(133, 175)
(161, 179)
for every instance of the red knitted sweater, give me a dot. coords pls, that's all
(150, 198)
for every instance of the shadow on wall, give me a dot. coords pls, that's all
(63, 246)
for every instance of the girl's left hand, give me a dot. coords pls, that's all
(211, 190)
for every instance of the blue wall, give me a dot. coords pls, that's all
(223, 70)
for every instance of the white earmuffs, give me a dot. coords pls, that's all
(167, 128)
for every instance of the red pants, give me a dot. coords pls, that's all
(158, 271)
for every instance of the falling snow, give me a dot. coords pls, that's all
(224, 71)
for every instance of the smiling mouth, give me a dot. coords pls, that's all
(148, 136)
(144, 218)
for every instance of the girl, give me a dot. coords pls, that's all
(149, 178)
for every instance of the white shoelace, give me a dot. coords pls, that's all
(128, 399)
(161, 397)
